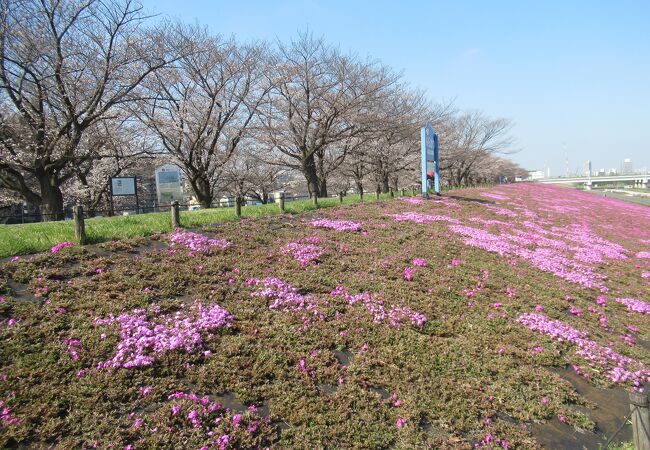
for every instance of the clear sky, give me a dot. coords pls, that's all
(574, 76)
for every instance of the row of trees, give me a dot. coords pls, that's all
(90, 89)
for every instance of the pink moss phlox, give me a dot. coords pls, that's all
(634, 304)
(196, 242)
(142, 339)
(420, 262)
(643, 255)
(412, 200)
(6, 418)
(494, 196)
(395, 316)
(502, 211)
(422, 218)
(408, 273)
(61, 245)
(338, 225)
(547, 256)
(73, 346)
(305, 251)
(201, 415)
(286, 298)
(618, 368)
(490, 222)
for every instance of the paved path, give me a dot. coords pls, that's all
(628, 198)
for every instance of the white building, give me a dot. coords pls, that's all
(536, 175)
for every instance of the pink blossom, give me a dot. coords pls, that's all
(575, 311)
(338, 225)
(454, 262)
(420, 262)
(618, 368)
(304, 251)
(6, 417)
(143, 339)
(408, 273)
(401, 423)
(412, 200)
(145, 391)
(73, 346)
(196, 242)
(494, 196)
(61, 245)
(422, 218)
(634, 304)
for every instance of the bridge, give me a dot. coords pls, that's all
(638, 180)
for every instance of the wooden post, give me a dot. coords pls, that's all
(79, 225)
(640, 420)
(340, 197)
(281, 201)
(315, 198)
(238, 206)
(176, 215)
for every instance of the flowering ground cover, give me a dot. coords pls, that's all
(513, 317)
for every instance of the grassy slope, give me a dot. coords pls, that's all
(468, 373)
(37, 237)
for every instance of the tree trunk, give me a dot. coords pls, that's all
(384, 184)
(395, 183)
(322, 187)
(51, 198)
(359, 186)
(309, 171)
(201, 188)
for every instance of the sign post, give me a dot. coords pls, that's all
(123, 186)
(430, 162)
(169, 184)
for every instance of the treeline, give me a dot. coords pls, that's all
(94, 89)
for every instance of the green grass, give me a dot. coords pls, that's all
(36, 237)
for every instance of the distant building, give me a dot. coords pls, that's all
(586, 171)
(613, 171)
(536, 175)
(627, 167)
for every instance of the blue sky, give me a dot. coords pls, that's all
(573, 76)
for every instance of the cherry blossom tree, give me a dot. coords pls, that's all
(201, 108)
(65, 66)
(320, 100)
